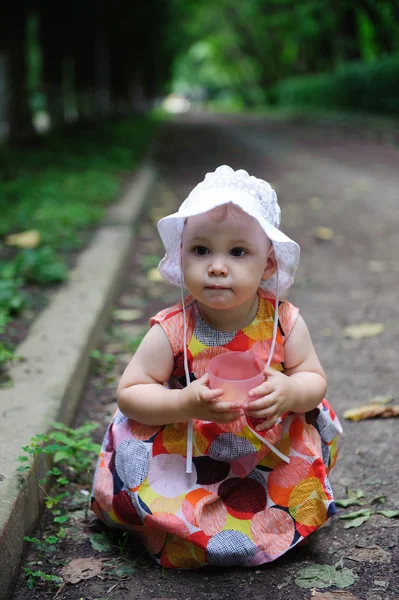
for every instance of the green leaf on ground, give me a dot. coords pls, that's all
(345, 502)
(100, 542)
(356, 518)
(364, 512)
(357, 522)
(355, 493)
(324, 576)
(378, 500)
(352, 500)
(391, 514)
(122, 571)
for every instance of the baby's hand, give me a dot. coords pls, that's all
(277, 397)
(206, 405)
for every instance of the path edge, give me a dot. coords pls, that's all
(19, 503)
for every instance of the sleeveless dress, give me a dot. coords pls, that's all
(242, 504)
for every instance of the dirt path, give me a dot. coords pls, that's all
(350, 189)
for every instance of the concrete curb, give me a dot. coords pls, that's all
(48, 383)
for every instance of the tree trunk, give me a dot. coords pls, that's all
(20, 124)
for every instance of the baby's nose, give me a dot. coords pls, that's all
(217, 267)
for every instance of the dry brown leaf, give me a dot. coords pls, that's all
(26, 239)
(81, 569)
(323, 233)
(371, 411)
(372, 554)
(363, 330)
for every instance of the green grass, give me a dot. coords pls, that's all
(60, 188)
(63, 186)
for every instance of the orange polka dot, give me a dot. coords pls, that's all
(285, 477)
(192, 500)
(142, 432)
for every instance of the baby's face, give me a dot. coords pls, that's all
(225, 255)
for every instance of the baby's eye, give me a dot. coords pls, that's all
(200, 250)
(238, 252)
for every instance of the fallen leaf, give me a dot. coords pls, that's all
(315, 203)
(121, 571)
(80, 569)
(323, 233)
(352, 500)
(79, 515)
(154, 275)
(26, 239)
(391, 514)
(377, 500)
(356, 522)
(323, 576)
(371, 411)
(358, 513)
(363, 330)
(361, 185)
(338, 595)
(378, 266)
(357, 518)
(355, 494)
(381, 583)
(100, 542)
(372, 554)
(381, 400)
(326, 331)
(127, 314)
(345, 502)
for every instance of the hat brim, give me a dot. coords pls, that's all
(171, 229)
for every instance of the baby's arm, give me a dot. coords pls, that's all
(143, 397)
(303, 367)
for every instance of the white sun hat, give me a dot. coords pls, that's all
(255, 197)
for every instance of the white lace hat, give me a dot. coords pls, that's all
(255, 197)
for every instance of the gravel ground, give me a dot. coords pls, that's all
(339, 200)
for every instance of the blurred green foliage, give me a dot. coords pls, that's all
(235, 53)
(63, 186)
(60, 188)
(361, 87)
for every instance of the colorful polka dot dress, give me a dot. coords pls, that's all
(242, 504)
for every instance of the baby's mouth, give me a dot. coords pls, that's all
(217, 287)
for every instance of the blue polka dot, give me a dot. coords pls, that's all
(230, 548)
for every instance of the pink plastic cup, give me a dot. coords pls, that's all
(236, 373)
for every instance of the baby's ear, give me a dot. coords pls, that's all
(271, 265)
